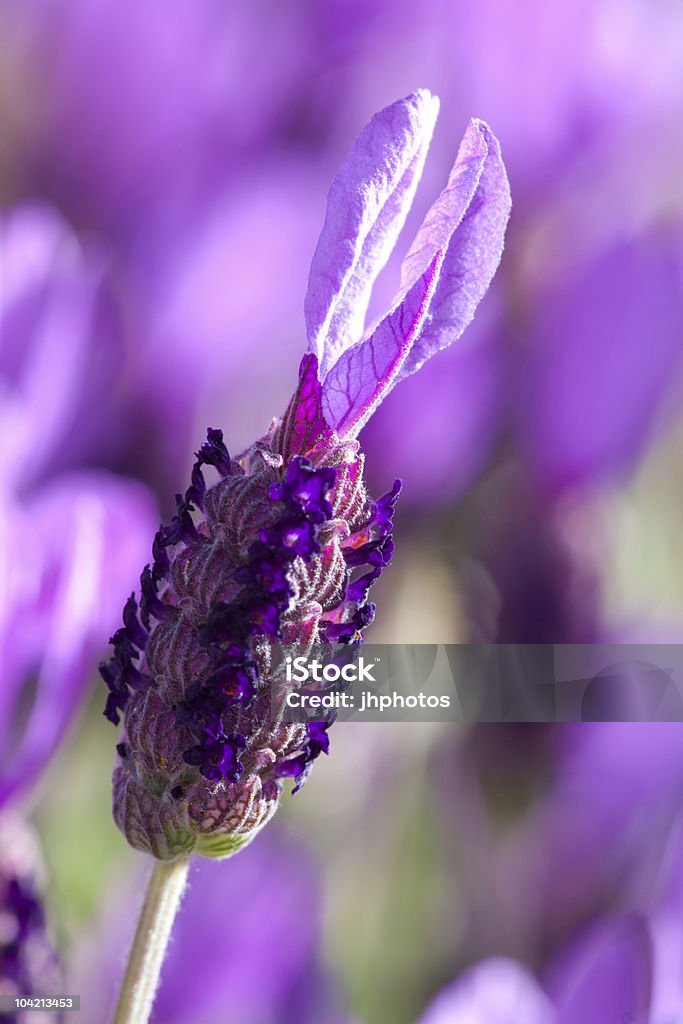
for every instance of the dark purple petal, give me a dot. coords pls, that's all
(218, 758)
(267, 567)
(181, 529)
(292, 767)
(318, 738)
(298, 767)
(384, 509)
(137, 634)
(214, 453)
(115, 705)
(265, 616)
(150, 603)
(306, 488)
(357, 591)
(377, 552)
(194, 495)
(296, 535)
(235, 683)
(351, 631)
(161, 563)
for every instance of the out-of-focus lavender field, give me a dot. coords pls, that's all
(163, 174)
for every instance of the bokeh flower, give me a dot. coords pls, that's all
(68, 540)
(624, 966)
(604, 976)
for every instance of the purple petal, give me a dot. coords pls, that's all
(493, 992)
(455, 408)
(606, 976)
(303, 424)
(364, 374)
(445, 275)
(366, 208)
(476, 202)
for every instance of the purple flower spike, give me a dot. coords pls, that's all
(192, 672)
(444, 276)
(284, 545)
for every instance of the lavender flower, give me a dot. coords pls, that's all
(286, 544)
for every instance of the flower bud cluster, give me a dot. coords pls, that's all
(281, 549)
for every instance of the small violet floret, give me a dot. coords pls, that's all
(283, 545)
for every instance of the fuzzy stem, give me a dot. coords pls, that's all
(141, 979)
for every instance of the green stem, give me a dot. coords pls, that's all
(141, 979)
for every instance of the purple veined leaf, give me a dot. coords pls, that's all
(461, 403)
(606, 975)
(473, 248)
(71, 557)
(366, 208)
(445, 275)
(364, 374)
(493, 992)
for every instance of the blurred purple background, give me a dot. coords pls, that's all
(163, 172)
